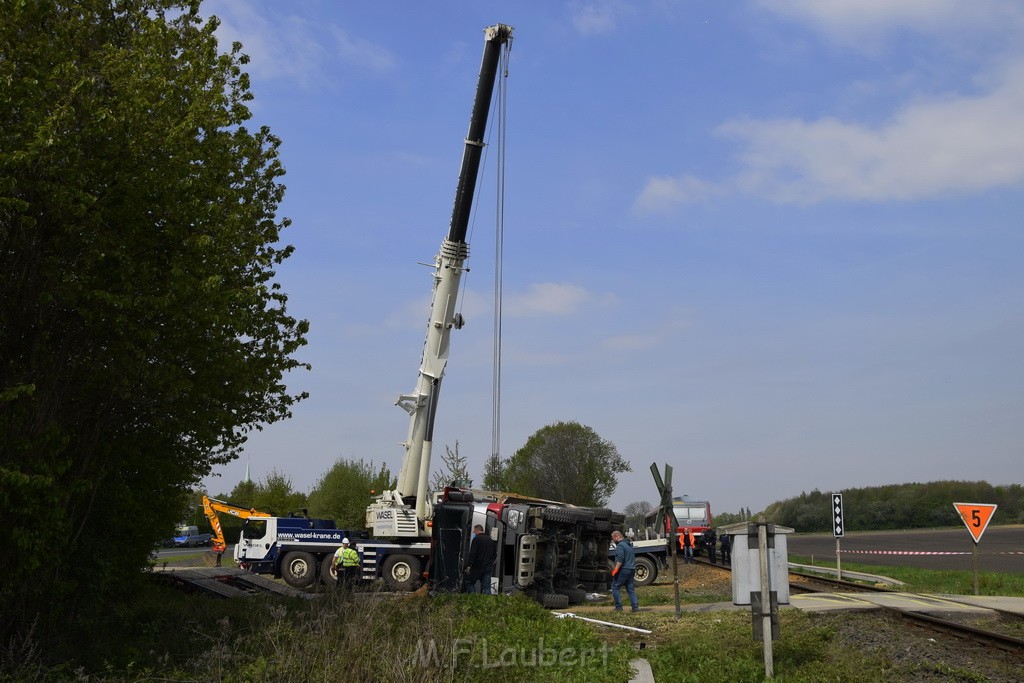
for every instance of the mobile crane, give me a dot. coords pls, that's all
(404, 511)
(551, 551)
(400, 543)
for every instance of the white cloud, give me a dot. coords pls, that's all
(546, 298)
(928, 148)
(361, 53)
(663, 193)
(856, 18)
(597, 16)
(289, 47)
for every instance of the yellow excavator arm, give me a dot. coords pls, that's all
(212, 506)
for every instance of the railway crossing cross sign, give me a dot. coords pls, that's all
(837, 515)
(976, 517)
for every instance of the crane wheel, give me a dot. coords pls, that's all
(402, 572)
(299, 569)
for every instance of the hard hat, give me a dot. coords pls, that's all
(344, 541)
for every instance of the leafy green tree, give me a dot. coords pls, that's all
(142, 334)
(494, 473)
(345, 490)
(567, 462)
(727, 518)
(635, 513)
(243, 495)
(275, 494)
(898, 506)
(454, 470)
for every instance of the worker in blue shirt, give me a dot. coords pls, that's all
(623, 571)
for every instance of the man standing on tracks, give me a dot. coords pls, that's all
(687, 547)
(710, 541)
(623, 571)
(726, 549)
(480, 562)
(346, 565)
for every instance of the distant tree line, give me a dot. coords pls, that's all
(898, 506)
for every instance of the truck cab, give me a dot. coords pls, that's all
(261, 539)
(554, 553)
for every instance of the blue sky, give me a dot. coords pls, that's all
(775, 244)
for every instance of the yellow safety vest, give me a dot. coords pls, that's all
(348, 556)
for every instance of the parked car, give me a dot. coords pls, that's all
(190, 537)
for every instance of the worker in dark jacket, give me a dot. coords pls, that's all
(726, 544)
(710, 540)
(480, 561)
(623, 572)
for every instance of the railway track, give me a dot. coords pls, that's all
(812, 583)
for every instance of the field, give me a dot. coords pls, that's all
(165, 634)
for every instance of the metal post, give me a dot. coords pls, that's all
(975, 564)
(674, 540)
(839, 562)
(766, 587)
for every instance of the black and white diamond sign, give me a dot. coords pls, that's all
(837, 515)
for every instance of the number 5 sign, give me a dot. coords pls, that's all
(976, 516)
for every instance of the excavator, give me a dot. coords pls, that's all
(212, 506)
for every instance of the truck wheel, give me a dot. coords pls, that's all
(299, 569)
(566, 515)
(402, 572)
(575, 595)
(593, 575)
(646, 571)
(328, 574)
(554, 600)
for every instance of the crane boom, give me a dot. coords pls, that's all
(401, 513)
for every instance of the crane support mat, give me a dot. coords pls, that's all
(228, 582)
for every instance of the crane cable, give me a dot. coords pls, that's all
(499, 115)
(499, 247)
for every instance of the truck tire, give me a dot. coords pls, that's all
(327, 572)
(402, 572)
(575, 595)
(554, 600)
(566, 515)
(617, 518)
(299, 569)
(592, 575)
(646, 571)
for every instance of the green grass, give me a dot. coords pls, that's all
(936, 581)
(159, 632)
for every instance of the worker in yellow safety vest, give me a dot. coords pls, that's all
(346, 565)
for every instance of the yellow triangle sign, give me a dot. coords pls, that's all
(976, 517)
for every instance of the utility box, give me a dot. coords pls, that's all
(746, 561)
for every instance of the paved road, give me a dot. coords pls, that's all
(1001, 548)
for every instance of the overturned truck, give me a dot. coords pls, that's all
(552, 552)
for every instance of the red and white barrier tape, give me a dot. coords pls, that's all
(922, 552)
(901, 552)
